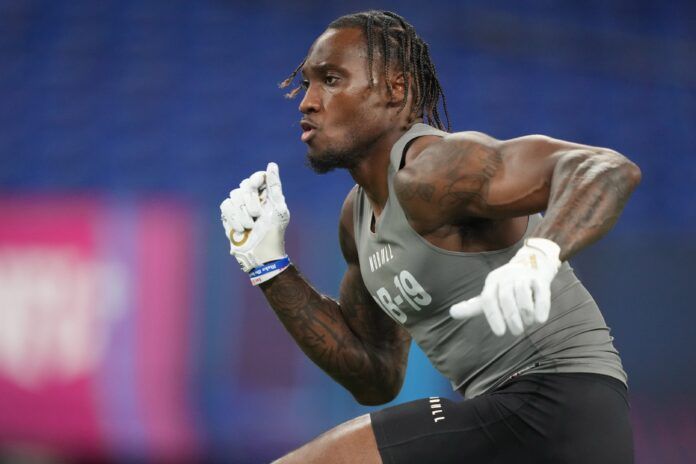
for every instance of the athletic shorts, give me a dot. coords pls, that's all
(533, 418)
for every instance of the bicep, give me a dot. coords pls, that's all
(524, 183)
(473, 175)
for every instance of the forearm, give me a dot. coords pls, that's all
(318, 325)
(587, 194)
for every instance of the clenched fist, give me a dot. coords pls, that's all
(255, 217)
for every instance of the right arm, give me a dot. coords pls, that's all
(352, 339)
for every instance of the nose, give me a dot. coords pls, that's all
(310, 102)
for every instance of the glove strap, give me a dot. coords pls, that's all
(268, 270)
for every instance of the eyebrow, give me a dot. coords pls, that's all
(323, 67)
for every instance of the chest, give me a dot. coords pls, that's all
(474, 236)
(412, 280)
(415, 277)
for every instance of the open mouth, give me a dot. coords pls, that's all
(308, 130)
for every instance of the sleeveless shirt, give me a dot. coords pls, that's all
(415, 283)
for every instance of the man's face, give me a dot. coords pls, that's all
(343, 115)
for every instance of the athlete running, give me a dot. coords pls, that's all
(444, 245)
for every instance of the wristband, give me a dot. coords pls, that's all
(268, 270)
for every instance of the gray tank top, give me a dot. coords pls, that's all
(415, 283)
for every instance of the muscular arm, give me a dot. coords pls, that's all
(470, 175)
(352, 339)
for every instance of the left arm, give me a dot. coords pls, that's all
(582, 188)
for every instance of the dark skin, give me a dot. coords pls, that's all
(464, 192)
(351, 339)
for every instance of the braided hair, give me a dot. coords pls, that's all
(400, 46)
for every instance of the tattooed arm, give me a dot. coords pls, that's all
(471, 175)
(352, 339)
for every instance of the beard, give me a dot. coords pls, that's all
(334, 157)
(329, 160)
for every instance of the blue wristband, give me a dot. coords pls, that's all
(268, 270)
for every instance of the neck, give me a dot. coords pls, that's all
(371, 173)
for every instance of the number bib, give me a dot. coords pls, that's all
(409, 291)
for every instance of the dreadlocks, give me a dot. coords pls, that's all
(400, 46)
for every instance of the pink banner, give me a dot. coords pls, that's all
(94, 303)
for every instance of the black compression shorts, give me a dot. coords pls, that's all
(534, 418)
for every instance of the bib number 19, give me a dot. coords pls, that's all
(411, 293)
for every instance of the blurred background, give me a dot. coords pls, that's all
(127, 332)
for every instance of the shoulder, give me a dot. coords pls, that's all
(471, 137)
(346, 235)
(440, 170)
(436, 156)
(432, 145)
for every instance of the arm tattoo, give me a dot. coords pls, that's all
(458, 179)
(422, 190)
(583, 189)
(588, 192)
(465, 185)
(347, 340)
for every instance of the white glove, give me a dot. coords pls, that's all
(518, 293)
(255, 217)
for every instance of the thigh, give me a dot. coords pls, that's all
(535, 419)
(485, 429)
(593, 424)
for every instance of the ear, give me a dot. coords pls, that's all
(398, 86)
